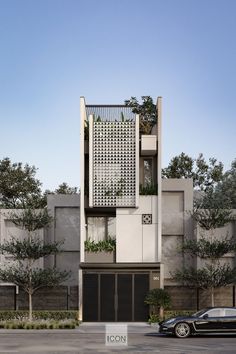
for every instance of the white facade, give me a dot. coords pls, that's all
(120, 181)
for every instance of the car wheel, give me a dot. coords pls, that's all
(182, 330)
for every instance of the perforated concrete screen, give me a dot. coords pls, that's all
(114, 147)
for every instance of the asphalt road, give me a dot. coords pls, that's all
(91, 339)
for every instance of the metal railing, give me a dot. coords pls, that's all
(110, 113)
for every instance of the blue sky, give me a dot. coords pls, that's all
(54, 51)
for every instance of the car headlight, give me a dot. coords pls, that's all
(169, 321)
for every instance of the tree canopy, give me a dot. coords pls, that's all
(147, 112)
(19, 187)
(226, 188)
(204, 174)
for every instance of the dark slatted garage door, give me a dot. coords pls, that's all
(124, 297)
(90, 297)
(141, 287)
(113, 297)
(107, 293)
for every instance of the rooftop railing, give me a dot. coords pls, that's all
(110, 113)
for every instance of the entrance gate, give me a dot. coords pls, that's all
(111, 297)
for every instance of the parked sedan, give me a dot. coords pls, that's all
(209, 320)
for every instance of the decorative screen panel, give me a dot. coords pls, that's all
(114, 164)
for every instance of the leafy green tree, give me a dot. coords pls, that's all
(226, 188)
(205, 175)
(23, 271)
(211, 276)
(64, 188)
(159, 299)
(213, 273)
(147, 112)
(19, 186)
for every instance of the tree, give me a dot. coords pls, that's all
(205, 175)
(213, 273)
(64, 188)
(27, 251)
(147, 113)
(159, 299)
(226, 188)
(19, 186)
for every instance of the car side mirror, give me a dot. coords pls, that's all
(205, 316)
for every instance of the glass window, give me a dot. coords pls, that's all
(100, 228)
(216, 313)
(147, 172)
(111, 227)
(230, 312)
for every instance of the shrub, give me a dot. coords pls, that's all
(22, 315)
(107, 245)
(158, 298)
(37, 324)
(154, 318)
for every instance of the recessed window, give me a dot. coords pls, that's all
(147, 172)
(101, 228)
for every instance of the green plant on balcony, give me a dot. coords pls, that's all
(147, 113)
(108, 245)
(120, 187)
(149, 189)
(86, 127)
(114, 188)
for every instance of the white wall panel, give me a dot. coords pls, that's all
(129, 238)
(149, 242)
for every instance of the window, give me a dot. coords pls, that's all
(147, 172)
(216, 313)
(100, 228)
(230, 312)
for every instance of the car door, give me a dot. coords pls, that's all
(210, 321)
(230, 320)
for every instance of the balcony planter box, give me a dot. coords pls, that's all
(148, 145)
(100, 257)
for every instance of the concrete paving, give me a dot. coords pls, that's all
(90, 338)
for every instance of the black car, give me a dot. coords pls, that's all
(210, 320)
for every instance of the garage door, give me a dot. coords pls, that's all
(111, 297)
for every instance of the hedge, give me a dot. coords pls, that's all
(154, 318)
(38, 315)
(51, 324)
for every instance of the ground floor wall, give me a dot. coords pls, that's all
(58, 298)
(66, 298)
(184, 298)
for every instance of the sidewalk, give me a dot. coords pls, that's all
(90, 327)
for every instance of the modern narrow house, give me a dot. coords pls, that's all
(123, 234)
(120, 213)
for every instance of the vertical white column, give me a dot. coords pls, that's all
(137, 160)
(82, 216)
(90, 160)
(159, 179)
(82, 213)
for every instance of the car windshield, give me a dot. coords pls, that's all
(199, 313)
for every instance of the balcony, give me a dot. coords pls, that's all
(148, 145)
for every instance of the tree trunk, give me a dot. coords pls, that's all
(30, 307)
(212, 297)
(161, 312)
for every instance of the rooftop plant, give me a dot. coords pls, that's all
(147, 113)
